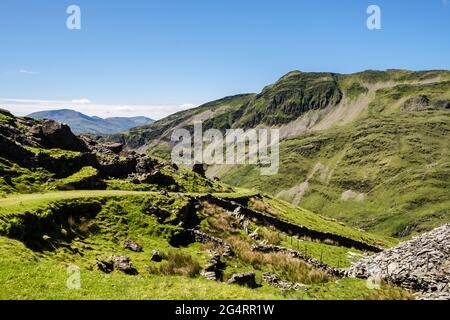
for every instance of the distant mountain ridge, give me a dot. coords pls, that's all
(81, 123)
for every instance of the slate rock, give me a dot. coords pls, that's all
(421, 264)
(133, 246)
(105, 266)
(123, 263)
(156, 256)
(247, 279)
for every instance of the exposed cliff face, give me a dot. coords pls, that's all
(291, 97)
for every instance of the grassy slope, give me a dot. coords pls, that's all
(396, 161)
(73, 232)
(45, 221)
(28, 274)
(399, 162)
(14, 178)
(216, 114)
(17, 205)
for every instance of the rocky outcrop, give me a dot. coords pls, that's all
(115, 148)
(65, 166)
(418, 103)
(156, 256)
(133, 246)
(247, 279)
(214, 269)
(145, 165)
(53, 134)
(115, 163)
(157, 177)
(46, 134)
(13, 151)
(123, 263)
(274, 281)
(421, 264)
(104, 266)
(119, 263)
(202, 237)
(19, 134)
(117, 167)
(30, 142)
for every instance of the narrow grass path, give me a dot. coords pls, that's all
(22, 202)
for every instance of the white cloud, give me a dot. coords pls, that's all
(445, 2)
(22, 107)
(81, 101)
(23, 71)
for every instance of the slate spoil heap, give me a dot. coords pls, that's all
(421, 264)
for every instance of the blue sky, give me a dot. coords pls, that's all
(157, 57)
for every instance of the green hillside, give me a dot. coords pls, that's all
(137, 227)
(388, 174)
(216, 114)
(369, 149)
(82, 229)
